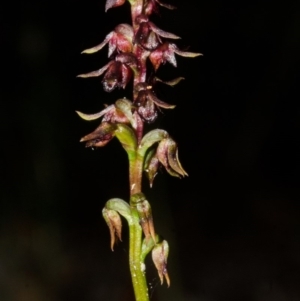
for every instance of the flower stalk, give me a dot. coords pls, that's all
(130, 48)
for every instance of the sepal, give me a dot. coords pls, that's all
(171, 82)
(113, 3)
(127, 138)
(100, 136)
(166, 53)
(151, 165)
(121, 207)
(120, 39)
(110, 114)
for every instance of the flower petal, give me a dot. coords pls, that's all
(168, 6)
(171, 82)
(113, 3)
(100, 46)
(97, 72)
(162, 33)
(100, 136)
(160, 254)
(184, 53)
(173, 158)
(95, 116)
(114, 224)
(159, 102)
(125, 106)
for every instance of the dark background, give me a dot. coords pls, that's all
(233, 225)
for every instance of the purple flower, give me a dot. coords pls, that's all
(119, 40)
(118, 72)
(166, 53)
(148, 34)
(147, 102)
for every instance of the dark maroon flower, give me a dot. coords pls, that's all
(147, 102)
(120, 39)
(148, 34)
(118, 72)
(166, 53)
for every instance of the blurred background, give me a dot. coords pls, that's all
(233, 225)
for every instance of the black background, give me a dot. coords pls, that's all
(233, 224)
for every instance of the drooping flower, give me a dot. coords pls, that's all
(114, 224)
(147, 102)
(146, 220)
(160, 254)
(167, 154)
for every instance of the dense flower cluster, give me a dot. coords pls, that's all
(129, 47)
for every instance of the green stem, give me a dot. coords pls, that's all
(135, 235)
(135, 174)
(135, 262)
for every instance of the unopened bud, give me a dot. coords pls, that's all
(160, 254)
(114, 223)
(167, 154)
(146, 220)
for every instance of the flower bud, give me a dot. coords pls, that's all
(114, 223)
(146, 221)
(160, 254)
(151, 165)
(167, 154)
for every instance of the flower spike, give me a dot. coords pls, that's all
(130, 49)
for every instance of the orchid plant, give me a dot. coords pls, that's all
(130, 47)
